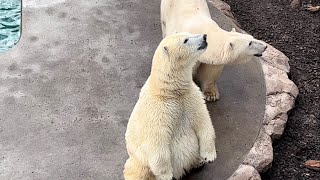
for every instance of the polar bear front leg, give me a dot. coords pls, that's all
(206, 137)
(159, 152)
(160, 163)
(208, 76)
(205, 132)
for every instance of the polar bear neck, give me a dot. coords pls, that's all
(217, 52)
(171, 81)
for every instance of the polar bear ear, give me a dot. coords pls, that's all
(166, 51)
(233, 30)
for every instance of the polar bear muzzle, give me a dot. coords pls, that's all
(204, 44)
(198, 40)
(257, 47)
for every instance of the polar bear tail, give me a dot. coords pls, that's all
(134, 170)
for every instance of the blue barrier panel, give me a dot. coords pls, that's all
(10, 20)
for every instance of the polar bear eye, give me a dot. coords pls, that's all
(250, 43)
(185, 41)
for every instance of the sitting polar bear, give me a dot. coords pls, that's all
(224, 47)
(170, 131)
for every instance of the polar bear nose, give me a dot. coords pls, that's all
(205, 37)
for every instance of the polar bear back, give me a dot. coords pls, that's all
(174, 13)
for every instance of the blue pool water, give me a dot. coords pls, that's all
(10, 15)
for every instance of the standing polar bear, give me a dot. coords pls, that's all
(193, 16)
(170, 131)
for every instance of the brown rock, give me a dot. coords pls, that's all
(261, 154)
(220, 5)
(277, 81)
(295, 3)
(276, 58)
(245, 172)
(276, 126)
(225, 9)
(277, 103)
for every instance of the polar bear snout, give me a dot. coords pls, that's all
(204, 43)
(197, 40)
(260, 48)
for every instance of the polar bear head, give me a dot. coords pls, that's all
(241, 48)
(179, 50)
(231, 48)
(173, 60)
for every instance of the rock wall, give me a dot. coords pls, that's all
(281, 93)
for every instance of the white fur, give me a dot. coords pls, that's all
(170, 130)
(224, 47)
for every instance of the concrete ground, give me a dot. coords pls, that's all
(68, 87)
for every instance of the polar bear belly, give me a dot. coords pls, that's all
(185, 150)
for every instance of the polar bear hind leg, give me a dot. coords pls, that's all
(133, 170)
(208, 75)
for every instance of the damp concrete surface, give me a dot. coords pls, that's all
(68, 88)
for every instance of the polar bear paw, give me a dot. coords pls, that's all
(211, 95)
(200, 164)
(208, 156)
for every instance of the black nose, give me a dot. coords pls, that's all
(205, 37)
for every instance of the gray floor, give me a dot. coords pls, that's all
(69, 86)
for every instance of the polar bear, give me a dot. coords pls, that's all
(170, 131)
(224, 47)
